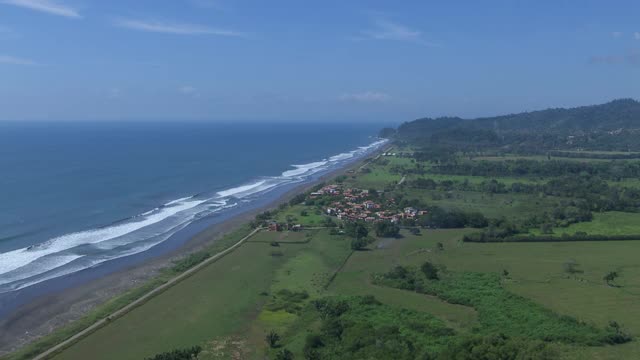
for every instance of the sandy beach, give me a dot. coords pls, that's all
(53, 306)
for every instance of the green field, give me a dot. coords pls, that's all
(536, 272)
(219, 301)
(269, 283)
(354, 279)
(492, 205)
(311, 218)
(224, 301)
(214, 302)
(541, 158)
(632, 183)
(477, 179)
(607, 223)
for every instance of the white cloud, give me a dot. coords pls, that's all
(114, 93)
(173, 28)
(636, 35)
(367, 96)
(12, 60)
(46, 6)
(617, 34)
(207, 4)
(187, 89)
(387, 30)
(631, 58)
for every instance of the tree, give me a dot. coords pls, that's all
(440, 246)
(312, 343)
(387, 132)
(179, 354)
(328, 222)
(356, 230)
(386, 229)
(430, 271)
(619, 336)
(496, 346)
(611, 276)
(300, 198)
(272, 339)
(359, 243)
(546, 228)
(571, 266)
(284, 354)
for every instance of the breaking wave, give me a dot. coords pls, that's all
(77, 251)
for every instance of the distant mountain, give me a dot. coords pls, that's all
(612, 116)
(553, 127)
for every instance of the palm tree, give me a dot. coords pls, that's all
(272, 339)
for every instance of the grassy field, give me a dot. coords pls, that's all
(492, 205)
(225, 301)
(543, 158)
(607, 223)
(312, 218)
(220, 301)
(214, 302)
(600, 152)
(477, 179)
(632, 183)
(536, 272)
(379, 175)
(229, 306)
(354, 279)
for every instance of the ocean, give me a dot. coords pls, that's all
(75, 196)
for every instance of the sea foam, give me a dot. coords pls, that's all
(73, 252)
(303, 169)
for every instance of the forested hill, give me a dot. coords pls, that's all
(597, 126)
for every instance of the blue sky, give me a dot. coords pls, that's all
(324, 60)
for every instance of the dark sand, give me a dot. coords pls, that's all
(51, 311)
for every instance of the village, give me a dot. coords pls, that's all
(353, 204)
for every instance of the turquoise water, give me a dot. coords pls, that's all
(76, 195)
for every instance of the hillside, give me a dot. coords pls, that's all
(613, 125)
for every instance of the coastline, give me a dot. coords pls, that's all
(56, 308)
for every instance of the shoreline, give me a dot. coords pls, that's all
(57, 308)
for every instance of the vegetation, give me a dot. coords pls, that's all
(272, 339)
(364, 328)
(609, 126)
(498, 346)
(499, 311)
(386, 229)
(180, 354)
